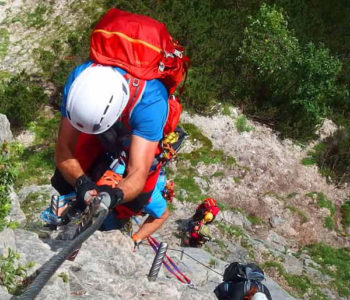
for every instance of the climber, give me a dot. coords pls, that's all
(198, 229)
(114, 103)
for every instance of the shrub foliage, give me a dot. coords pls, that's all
(7, 176)
(20, 99)
(294, 85)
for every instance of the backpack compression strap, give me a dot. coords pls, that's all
(137, 87)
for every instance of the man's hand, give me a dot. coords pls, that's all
(85, 189)
(116, 195)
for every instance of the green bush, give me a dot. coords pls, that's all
(13, 274)
(20, 99)
(7, 177)
(312, 20)
(35, 164)
(242, 125)
(345, 211)
(289, 84)
(313, 154)
(328, 223)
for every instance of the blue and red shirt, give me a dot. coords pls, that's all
(149, 114)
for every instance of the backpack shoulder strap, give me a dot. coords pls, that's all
(137, 88)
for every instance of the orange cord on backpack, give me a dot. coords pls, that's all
(251, 293)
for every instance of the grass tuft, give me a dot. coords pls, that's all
(345, 212)
(8, 173)
(322, 201)
(328, 223)
(300, 283)
(255, 220)
(12, 274)
(205, 153)
(334, 262)
(242, 124)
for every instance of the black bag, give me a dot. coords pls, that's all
(237, 272)
(239, 279)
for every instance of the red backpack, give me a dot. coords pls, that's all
(143, 48)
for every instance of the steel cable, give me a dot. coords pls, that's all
(51, 266)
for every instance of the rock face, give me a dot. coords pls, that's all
(16, 214)
(269, 180)
(108, 267)
(5, 131)
(118, 272)
(327, 128)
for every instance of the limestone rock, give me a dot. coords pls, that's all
(16, 214)
(43, 189)
(276, 241)
(4, 295)
(26, 138)
(293, 265)
(327, 128)
(275, 221)
(31, 248)
(7, 240)
(5, 131)
(233, 218)
(276, 291)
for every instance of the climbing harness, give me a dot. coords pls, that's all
(170, 145)
(169, 191)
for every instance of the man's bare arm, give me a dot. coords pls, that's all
(141, 156)
(64, 152)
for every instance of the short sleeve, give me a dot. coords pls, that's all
(149, 115)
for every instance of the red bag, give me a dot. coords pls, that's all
(141, 46)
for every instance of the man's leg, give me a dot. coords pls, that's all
(151, 225)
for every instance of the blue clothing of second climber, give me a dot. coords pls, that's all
(155, 208)
(157, 205)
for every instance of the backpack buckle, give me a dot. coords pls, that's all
(161, 67)
(178, 53)
(136, 82)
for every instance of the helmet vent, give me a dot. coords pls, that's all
(110, 100)
(106, 109)
(80, 125)
(68, 114)
(96, 127)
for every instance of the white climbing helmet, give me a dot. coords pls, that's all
(259, 296)
(96, 99)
